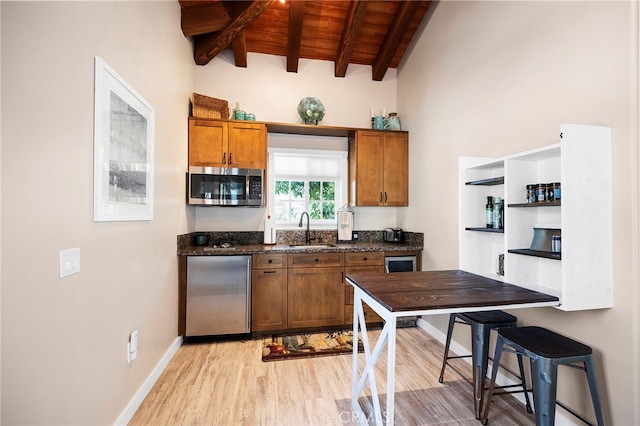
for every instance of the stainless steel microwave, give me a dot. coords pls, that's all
(218, 186)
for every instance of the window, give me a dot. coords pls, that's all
(306, 180)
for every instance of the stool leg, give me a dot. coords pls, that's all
(452, 320)
(593, 387)
(544, 375)
(523, 380)
(480, 360)
(494, 374)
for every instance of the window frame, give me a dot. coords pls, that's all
(341, 190)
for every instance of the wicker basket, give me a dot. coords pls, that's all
(207, 107)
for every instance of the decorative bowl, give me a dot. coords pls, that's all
(311, 110)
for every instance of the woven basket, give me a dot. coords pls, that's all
(207, 107)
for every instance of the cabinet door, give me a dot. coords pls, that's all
(396, 169)
(268, 299)
(207, 143)
(316, 297)
(366, 168)
(247, 145)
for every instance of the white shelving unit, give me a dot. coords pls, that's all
(582, 275)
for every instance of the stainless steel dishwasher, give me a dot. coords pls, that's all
(218, 295)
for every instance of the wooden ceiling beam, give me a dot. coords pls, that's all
(400, 25)
(350, 32)
(209, 45)
(296, 19)
(239, 43)
(203, 19)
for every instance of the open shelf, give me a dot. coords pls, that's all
(487, 182)
(537, 253)
(492, 230)
(545, 204)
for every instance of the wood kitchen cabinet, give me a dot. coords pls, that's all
(269, 292)
(378, 168)
(361, 263)
(220, 143)
(316, 293)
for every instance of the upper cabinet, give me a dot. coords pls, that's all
(580, 213)
(219, 143)
(378, 168)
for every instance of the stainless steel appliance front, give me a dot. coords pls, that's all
(218, 186)
(401, 264)
(218, 295)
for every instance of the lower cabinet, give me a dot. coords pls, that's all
(269, 292)
(361, 263)
(316, 290)
(307, 290)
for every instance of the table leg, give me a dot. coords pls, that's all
(370, 360)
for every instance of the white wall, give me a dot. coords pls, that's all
(494, 78)
(266, 89)
(64, 340)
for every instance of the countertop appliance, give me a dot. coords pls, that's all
(401, 264)
(218, 186)
(218, 295)
(393, 235)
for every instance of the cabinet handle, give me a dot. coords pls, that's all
(270, 261)
(316, 260)
(365, 258)
(385, 192)
(230, 161)
(224, 158)
(269, 272)
(380, 196)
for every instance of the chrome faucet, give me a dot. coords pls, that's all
(307, 234)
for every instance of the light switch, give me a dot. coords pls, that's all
(69, 262)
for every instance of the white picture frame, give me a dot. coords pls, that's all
(124, 127)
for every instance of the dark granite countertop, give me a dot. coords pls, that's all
(290, 243)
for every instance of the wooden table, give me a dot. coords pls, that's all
(420, 293)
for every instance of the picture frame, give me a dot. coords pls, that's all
(124, 130)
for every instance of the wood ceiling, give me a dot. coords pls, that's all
(375, 33)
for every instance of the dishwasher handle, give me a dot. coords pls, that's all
(248, 315)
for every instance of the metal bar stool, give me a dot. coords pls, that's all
(546, 350)
(481, 325)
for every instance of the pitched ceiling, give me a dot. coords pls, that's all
(375, 33)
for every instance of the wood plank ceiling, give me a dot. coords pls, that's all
(375, 33)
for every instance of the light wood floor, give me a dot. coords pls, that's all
(226, 383)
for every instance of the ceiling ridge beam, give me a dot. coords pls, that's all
(294, 38)
(350, 32)
(209, 45)
(401, 21)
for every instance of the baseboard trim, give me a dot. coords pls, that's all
(133, 405)
(501, 379)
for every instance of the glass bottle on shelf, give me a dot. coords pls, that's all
(489, 212)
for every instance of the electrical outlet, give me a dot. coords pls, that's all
(354, 235)
(69, 262)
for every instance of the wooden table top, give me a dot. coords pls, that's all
(431, 290)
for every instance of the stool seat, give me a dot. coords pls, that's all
(545, 343)
(487, 317)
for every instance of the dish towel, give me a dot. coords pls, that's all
(345, 225)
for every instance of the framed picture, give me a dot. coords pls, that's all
(123, 149)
